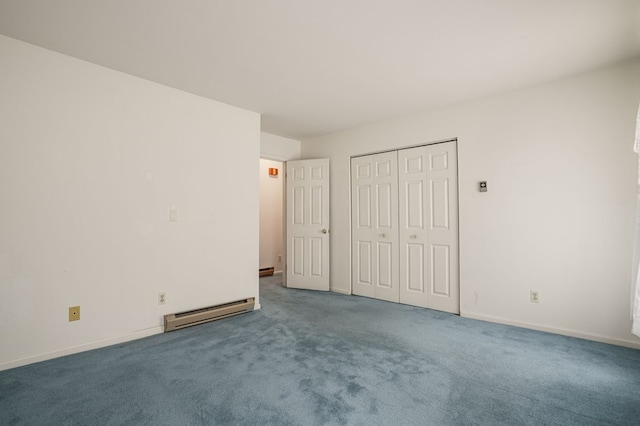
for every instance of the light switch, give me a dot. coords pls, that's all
(482, 186)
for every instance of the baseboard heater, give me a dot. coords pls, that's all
(265, 272)
(200, 316)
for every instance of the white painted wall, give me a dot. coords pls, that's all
(274, 147)
(559, 213)
(271, 238)
(91, 161)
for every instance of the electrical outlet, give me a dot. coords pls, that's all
(173, 215)
(74, 313)
(279, 258)
(162, 298)
(534, 296)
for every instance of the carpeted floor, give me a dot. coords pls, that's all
(309, 358)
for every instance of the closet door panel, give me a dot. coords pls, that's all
(386, 226)
(363, 217)
(442, 182)
(374, 195)
(412, 178)
(414, 267)
(364, 267)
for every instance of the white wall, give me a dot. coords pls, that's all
(558, 216)
(91, 161)
(271, 238)
(274, 147)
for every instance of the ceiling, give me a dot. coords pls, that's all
(316, 67)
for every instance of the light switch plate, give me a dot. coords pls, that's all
(482, 186)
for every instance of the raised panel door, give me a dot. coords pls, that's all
(308, 224)
(412, 178)
(442, 207)
(374, 226)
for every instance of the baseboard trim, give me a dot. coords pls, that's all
(82, 348)
(555, 330)
(341, 291)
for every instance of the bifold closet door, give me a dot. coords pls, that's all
(428, 234)
(374, 189)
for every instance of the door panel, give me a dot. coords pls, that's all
(443, 279)
(316, 256)
(316, 205)
(364, 267)
(374, 226)
(440, 282)
(384, 205)
(414, 204)
(308, 224)
(386, 231)
(384, 166)
(297, 200)
(439, 203)
(413, 230)
(428, 225)
(384, 262)
(363, 206)
(362, 259)
(415, 268)
(298, 256)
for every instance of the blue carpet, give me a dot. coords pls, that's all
(309, 358)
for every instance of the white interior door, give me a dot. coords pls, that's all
(413, 194)
(308, 224)
(442, 226)
(375, 271)
(362, 218)
(429, 227)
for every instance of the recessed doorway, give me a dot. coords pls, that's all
(271, 217)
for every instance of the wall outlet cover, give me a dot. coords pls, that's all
(74, 313)
(534, 296)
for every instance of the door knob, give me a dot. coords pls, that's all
(325, 231)
(413, 237)
(383, 235)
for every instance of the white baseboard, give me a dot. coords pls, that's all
(341, 291)
(555, 330)
(82, 348)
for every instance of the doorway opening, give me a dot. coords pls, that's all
(272, 252)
